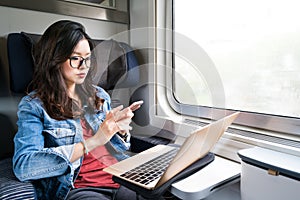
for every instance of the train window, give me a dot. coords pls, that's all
(238, 55)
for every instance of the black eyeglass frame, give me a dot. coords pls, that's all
(81, 61)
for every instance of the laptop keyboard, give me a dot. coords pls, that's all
(152, 169)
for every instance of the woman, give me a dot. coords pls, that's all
(66, 126)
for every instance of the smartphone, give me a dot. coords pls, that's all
(136, 105)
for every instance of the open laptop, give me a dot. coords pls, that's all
(155, 166)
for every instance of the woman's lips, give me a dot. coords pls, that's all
(81, 75)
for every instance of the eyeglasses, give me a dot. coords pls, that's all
(77, 61)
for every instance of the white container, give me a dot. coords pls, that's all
(269, 175)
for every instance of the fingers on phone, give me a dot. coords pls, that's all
(135, 105)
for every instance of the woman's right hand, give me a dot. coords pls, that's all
(118, 119)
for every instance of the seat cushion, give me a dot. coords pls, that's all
(7, 133)
(10, 187)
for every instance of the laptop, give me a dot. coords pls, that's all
(155, 166)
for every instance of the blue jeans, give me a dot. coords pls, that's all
(90, 193)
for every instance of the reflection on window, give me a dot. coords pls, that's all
(190, 85)
(255, 47)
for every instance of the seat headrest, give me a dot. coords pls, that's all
(19, 51)
(117, 65)
(122, 70)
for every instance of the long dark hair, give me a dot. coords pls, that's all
(54, 47)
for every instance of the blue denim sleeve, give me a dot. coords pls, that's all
(31, 160)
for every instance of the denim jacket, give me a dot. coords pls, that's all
(44, 146)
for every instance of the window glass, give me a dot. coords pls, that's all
(254, 46)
